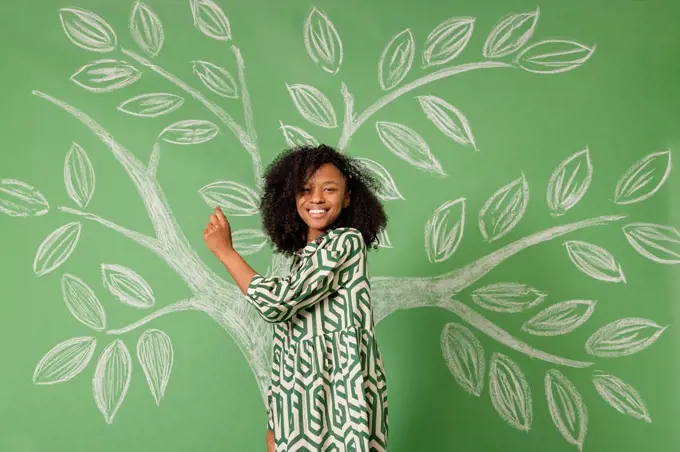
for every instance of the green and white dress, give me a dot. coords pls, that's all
(328, 390)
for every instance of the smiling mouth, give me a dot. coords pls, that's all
(317, 213)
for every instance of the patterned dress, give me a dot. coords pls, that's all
(328, 390)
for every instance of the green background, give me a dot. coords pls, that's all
(623, 104)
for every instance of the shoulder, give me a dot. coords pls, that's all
(346, 238)
(344, 234)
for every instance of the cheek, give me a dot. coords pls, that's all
(341, 199)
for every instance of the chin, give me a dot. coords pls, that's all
(320, 224)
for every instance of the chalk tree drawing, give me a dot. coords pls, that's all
(506, 47)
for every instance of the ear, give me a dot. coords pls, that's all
(347, 199)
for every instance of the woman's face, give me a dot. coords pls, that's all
(322, 199)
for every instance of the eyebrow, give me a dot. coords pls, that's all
(326, 182)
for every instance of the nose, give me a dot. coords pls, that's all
(317, 196)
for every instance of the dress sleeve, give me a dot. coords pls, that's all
(277, 299)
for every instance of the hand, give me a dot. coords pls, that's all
(217, 233)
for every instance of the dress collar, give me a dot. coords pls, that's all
(316, 243)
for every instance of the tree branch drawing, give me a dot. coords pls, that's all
(474, 368)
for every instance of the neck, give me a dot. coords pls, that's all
(312, 234)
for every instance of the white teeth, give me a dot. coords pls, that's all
(317, 211)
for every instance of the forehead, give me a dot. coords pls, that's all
(327, 173)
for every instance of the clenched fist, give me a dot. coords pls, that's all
(217, 233)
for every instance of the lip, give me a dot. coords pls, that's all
(317, 214)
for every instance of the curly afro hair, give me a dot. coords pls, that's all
(285, 178)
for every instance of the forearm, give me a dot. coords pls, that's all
(238, 268)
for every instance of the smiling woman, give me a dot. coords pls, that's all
(324, 336)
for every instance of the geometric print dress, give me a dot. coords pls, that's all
(328, 390)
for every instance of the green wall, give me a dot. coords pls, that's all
(526, 151)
